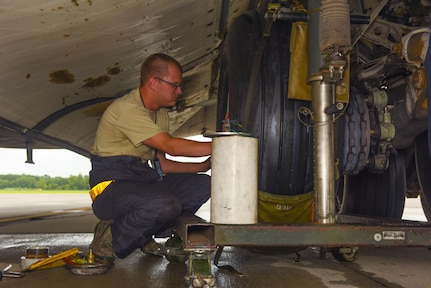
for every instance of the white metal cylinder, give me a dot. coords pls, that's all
(234, 190)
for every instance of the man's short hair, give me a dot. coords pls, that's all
(156, 65)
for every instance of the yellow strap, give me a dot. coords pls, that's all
(98, 189)
(53, 261)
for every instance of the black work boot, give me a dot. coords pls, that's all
(102, 242)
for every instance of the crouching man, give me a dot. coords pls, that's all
(133, 200)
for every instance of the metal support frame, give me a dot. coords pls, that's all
(197, 234)
(198, 241)
(201, 238)
(321, 235)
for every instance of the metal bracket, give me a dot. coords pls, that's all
(10, 274)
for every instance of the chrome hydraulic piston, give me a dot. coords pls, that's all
(330, 23)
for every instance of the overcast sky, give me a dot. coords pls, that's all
(51, 162)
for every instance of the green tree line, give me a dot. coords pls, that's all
(11, 181)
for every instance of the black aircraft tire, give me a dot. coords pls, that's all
(354, 141)
(423, 167)
(377, 195)
(285, 147)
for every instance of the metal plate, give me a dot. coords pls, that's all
(90, 269)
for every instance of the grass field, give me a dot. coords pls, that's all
(34, 191)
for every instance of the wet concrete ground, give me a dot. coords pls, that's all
(376, 267)
(62, 230)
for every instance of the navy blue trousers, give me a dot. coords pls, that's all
(140, 210)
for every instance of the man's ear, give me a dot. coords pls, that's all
(151, 82)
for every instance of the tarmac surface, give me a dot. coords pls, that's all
(62, 222)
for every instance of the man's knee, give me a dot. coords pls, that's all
(169, 209)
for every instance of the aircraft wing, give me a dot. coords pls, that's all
(64, 62)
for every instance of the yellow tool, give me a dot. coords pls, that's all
(53, 261)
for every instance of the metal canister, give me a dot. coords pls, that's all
(234, 188)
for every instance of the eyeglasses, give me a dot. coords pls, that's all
(175, 85)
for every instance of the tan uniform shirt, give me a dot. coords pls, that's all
(125, 124)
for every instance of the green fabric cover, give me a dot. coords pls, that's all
(275, 208)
